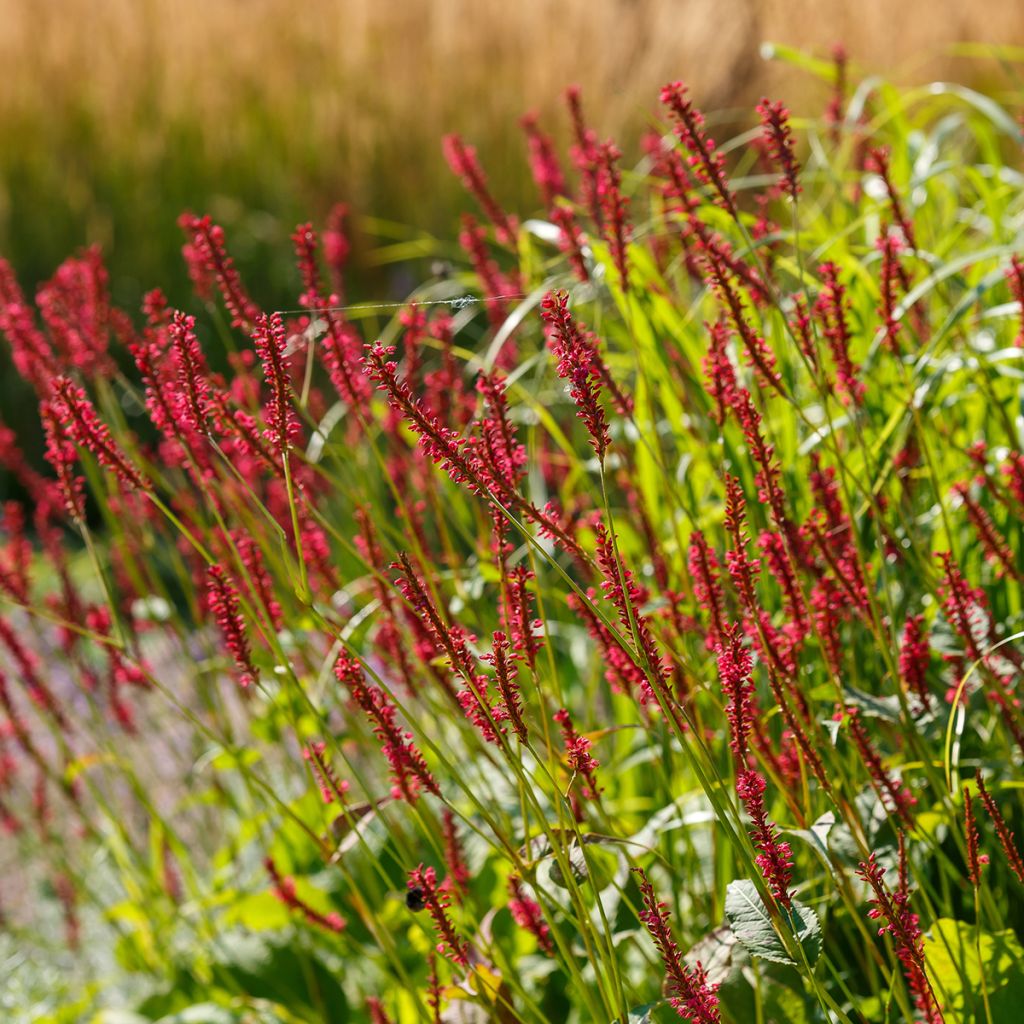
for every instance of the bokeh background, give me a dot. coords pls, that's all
(115, 115)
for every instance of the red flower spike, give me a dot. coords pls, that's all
(706, 160)
(831, 311)
(778, 137)
(409, 771)
(209, 262)
(462, 159)
(437, 902)
(775, 858)
(1003, 833)
(544, 166)
(689, 991)
(271, 343)
(975, 861)
(527, 913)
(577, 754)
(284, 889)
(81, 424)
(223, 600)
(735, 667)
(893, 909)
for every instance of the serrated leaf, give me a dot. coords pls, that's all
(752, 924)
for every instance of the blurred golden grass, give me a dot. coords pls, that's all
(117, 112)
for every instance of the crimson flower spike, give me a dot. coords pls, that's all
(895, 796)
(1005, 836)
(778, 136)
(207, 259)
(584, 153)
(463, 161)
(1015, 277)
(577, 754)
(337, 247)
(577, 364)
(271, 343)
(436, 900)
(706, 160)
(409, 770)
(735, 667)
(284, 889)
(775, 856)
(223, 600)
(889, 246)
(458, 871)
(544, 166)
(194, 386)
(975, 860)
(878, 162)
(614, 206)
(834, 110)
(378, 1015)
(510, 707)
(704, 573)
(915, 657)
(80, 422)
(893, 909)
(831, 311)
(526, 913)
(690, 993)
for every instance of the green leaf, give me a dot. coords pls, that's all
(961, 977)
(752, 925)
(640, 1014)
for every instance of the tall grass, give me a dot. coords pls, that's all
(625, 627)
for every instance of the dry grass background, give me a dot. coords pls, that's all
(117, 113)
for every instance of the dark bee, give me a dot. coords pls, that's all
(414, 899)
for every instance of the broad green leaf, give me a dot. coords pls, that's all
(964, 966)
(753, 926)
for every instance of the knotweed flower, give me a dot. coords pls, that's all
(706, 160)
(975, 861)
(437, 901)
(458, 877)
(775, 858)
(893, 910)
(831, 311)
(878, 163)
(284, 889)
(689, 991)
(577, 753)
(895, 796)
(208, 260)
(81, 424)
(544, 166)
(527, 913)
(331, 787)
(223, 599)
(704, 575)
(1003, 833)
(734, 670)
(409, 771)
(778, 137)
(915, 657)
(463, 161)
(271, 344)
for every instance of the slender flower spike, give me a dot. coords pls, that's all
(577, 363)
(284, 890)
(463, 161)
(775, 858)
(734, 669)
(1005, 836)
(577, 753)
(81, 424)
(893, 910)
(527, 913)
(223, 599)
(706, 160)
(436, 900)
(271, 342)
(778, 136)
(974, 859)
(690, 993)
(1015, 277)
